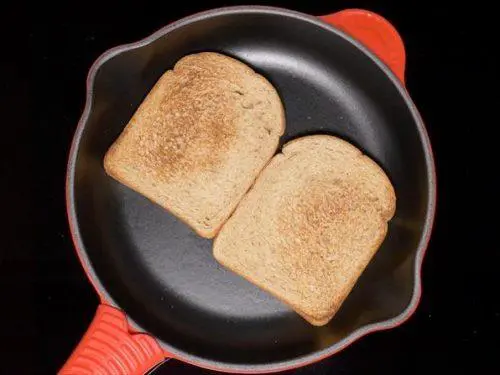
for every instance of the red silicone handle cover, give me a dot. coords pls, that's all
(376, 33)
(110, 348)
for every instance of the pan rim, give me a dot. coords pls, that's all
(312, 357)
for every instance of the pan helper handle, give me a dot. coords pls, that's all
(375, 33)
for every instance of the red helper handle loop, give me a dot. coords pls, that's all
(110, 348)
(376, 33)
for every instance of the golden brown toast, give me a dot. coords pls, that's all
(310, 224)
(199, 139)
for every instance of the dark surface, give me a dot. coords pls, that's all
(48, 303)
(164, 275)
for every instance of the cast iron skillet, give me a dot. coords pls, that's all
(146, 264)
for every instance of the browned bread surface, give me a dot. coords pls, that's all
(199, 139)
(309, 226)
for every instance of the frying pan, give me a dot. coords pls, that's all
(162, 293)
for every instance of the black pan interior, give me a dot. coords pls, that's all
(163, 275)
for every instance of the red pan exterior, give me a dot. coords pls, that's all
(111, 345)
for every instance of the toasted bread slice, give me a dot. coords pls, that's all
(310, 224)
(199, 139)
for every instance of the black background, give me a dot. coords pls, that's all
(452, 69)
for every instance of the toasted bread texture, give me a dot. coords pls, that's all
(310, 225)
(199, 139)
